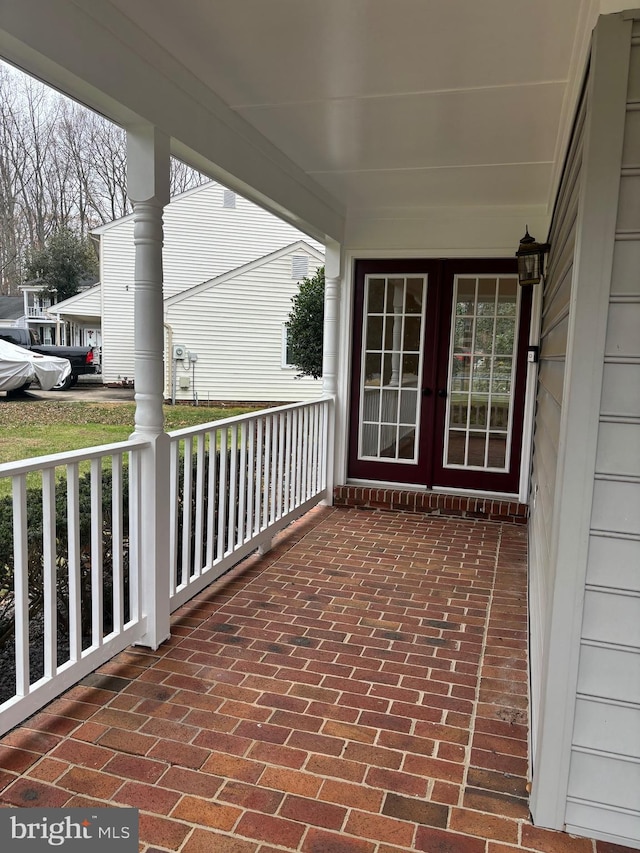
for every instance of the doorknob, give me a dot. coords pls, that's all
(442, 392)
(427, 392)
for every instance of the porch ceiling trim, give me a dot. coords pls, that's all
(94, 54)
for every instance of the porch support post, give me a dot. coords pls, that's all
(148, 190)
(330, 352)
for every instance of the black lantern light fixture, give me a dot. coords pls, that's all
(530, 257)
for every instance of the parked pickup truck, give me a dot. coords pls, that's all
(81, 358)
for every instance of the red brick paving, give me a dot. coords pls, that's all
(360, 689)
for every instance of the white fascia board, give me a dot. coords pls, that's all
(94, 54)
(245, 268)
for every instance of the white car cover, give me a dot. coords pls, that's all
(18, 365)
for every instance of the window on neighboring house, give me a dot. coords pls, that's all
(299, 267)
(229, 199)
(286, 348)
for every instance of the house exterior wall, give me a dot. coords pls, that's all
(202, 239)
(554, 330)
(585, 520)
(236, 329)
(604, 780)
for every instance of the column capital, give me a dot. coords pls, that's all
(147, 165)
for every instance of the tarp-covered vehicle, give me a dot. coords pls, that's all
(20, 367)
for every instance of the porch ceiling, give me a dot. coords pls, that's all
(330, 111)
(384, 104)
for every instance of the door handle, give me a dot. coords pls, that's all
(442, 392)
(427, 392)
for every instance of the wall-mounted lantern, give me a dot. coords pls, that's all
(530, 257)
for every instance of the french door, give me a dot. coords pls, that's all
(439, 367)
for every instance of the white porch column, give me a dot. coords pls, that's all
(331, 352)
(148, 189)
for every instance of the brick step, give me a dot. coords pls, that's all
(464, 506)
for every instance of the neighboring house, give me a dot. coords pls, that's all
(32, 310)
(208, 231)
(235, 325)
(79, 318)
(37, 311)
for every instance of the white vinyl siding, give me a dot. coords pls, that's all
(551, 380)
(235, 326)
(591, 313)
(605, 765)
(117, 260)
(202, 240)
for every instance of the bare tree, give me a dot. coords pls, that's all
(61, 166)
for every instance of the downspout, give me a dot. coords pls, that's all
(168, 364)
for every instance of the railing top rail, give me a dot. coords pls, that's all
(260, 413)
(37, 463)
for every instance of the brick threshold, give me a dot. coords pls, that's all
(433, 503)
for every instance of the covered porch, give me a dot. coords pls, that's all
(361, 688)
(416, 145)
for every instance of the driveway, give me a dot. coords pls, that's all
(87, 390)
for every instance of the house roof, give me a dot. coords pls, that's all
(292, 248)
(337, 113)
(11, 307)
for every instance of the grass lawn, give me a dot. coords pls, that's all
(37, 427)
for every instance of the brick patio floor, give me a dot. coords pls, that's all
(361, 689)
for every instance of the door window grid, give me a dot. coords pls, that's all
(479, 410)
(393, 322)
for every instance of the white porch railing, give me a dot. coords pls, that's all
(248, 477)
(71, 588)
(35, 312)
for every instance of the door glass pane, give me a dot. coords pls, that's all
(463, 335)
(481, 365)
(414, 296)
(370, 434)
(459, 412)
(373, 368)
(486, 296)
(374, 333)
(456, 447)
(465, 303)
(507, 297)
(497, 450)
(388, 445)
(476, 450)
(393, 329)
(376, 295)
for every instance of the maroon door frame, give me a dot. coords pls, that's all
(429, 469)
(390, 471)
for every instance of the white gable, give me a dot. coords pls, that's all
(235, 325)
(202, 240)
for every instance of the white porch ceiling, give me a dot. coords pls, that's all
(326, 111)
(386, 104)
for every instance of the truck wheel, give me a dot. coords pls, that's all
(65, 384)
